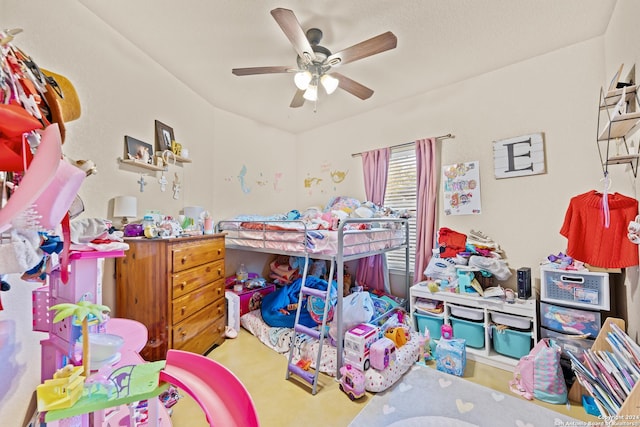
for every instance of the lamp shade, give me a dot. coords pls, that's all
(330, 83)
(125, 206)
(311, 94)
(302, 79)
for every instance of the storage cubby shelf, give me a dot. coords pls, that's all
(525, 308)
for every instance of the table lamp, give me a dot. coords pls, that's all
(125, 206)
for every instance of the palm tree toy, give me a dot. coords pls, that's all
(81, 311)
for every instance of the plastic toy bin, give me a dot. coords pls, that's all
(471, 332)
(577, 289)
(431, 322)
(512, 343)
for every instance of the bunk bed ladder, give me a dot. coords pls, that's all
(317, 334)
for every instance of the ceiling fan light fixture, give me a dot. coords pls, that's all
(302, 80)
(311, 94)
(329, 83)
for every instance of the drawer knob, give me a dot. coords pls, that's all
(219, 251)
(183, 333)
(183, 260)
(183, 285)
(208, 269)
(183, 310)
(219, 271)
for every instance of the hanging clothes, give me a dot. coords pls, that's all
(590, 241)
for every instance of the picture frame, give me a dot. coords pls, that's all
(164, 136)
(138, 151)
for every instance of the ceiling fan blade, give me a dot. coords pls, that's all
(292, 29)
(263, 70)
(352, 86)
(372, 46)
(298, 99)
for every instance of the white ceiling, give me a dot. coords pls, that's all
(439, 42)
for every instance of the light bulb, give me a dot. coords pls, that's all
(329, 83)
(302, 79)
(311, 94)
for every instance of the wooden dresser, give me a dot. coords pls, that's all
(175, 287)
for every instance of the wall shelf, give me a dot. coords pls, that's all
(618, 118)
(177, 158)
(142, 165)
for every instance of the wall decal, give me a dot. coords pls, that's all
(262, 181)
(241, 179)
(338, 176)
(142, 183)
(276, 181)
(308, 182)
(461, 185)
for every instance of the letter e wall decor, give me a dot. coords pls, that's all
(519, 156)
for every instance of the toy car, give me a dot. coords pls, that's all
(352, 382)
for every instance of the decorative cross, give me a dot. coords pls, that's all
(176, 186)
(163, 183)
(142, 183)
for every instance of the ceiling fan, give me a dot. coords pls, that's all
(315, 62)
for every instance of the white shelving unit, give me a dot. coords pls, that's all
(617, 120)
(524, 308)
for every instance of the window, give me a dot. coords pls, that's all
(401, 195)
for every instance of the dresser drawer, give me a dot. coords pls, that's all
(200, 331)
(192, 302)
(191, 255)
(190, 280)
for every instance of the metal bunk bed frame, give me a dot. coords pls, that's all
(337, 259)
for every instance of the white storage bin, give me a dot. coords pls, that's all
(468, 313)
(575, 288)
(511, 320)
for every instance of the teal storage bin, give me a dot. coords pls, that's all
(432, 323)
(511, 343)
(471, 332)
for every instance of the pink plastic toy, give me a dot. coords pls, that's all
(446, 331)
(382, 353)
(352, 382)
(223, 398)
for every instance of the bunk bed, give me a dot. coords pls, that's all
(351, 239)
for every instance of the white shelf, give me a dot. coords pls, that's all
(142, 165)
(612, 97)
(172, 156)
(525, 308)
(620, 126)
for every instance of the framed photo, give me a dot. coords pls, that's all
(138, 150)
(164, 136)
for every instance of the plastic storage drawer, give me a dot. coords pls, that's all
(511, 343)
(469, 313)
(511, 320)
(569, 320)
(431, 322)
(577, 289)
(471, 332)
(576, 344)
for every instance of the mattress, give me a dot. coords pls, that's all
(324, 242)
(279, 340)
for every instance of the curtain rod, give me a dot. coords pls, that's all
(405, 144)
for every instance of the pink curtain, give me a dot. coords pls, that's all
(426, 209)
(375, 165)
